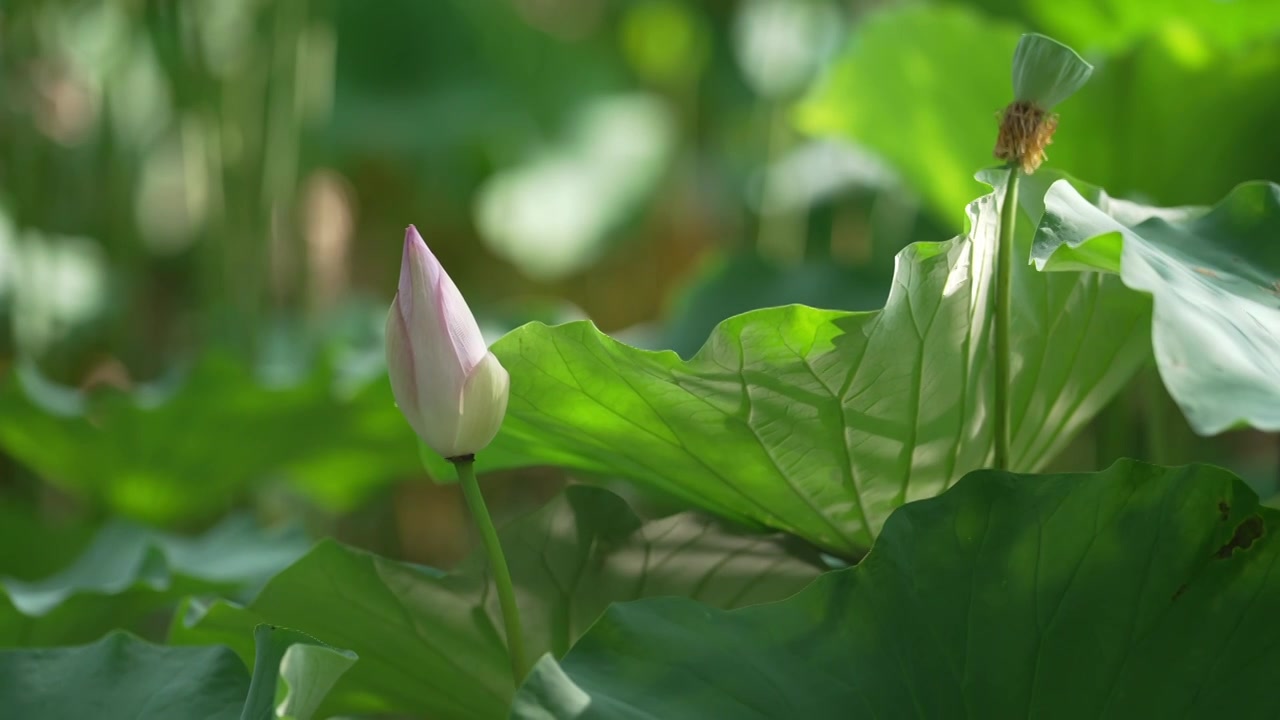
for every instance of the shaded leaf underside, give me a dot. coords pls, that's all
(432, 643)
(1135, 592)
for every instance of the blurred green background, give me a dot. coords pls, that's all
(202, 205)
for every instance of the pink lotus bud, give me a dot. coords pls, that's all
(451, 389)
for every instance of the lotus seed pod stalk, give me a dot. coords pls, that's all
(450, 388)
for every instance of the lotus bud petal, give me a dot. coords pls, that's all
(450, 388)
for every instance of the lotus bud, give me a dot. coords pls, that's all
(1045, 72)
(451, 389)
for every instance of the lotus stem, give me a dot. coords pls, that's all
(465, 467)
(1004, 305)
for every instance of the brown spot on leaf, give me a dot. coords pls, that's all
(1224, 510)
(1247, 532)
(1178, 593)
(1205, 271)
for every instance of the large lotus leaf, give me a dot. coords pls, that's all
(181, 449)
(122, 678)
(922, 86)
(432, 643)
(1116, 24)
(821, 423)
(1139, 591)
(127, 573)
(1215, 279)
